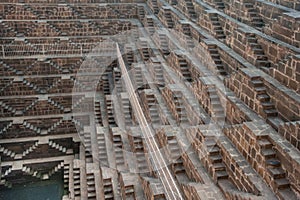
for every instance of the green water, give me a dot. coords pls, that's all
(42, 190)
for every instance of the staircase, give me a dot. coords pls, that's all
(214, 53)
(190, 9)
(261, 60)
(91, 189)
(7, 152)
(87, 147)
(118, 147)
(57, 146)
(57, 105)
(76, 182)
(218, 169)
(268, 108)
(217, 28)
(126, 107)
(31, 127)
(108, 189)
(56, 124)
(219, 4)
(217, 111)
(256, 20)
(98, 115)
(184, 69)
(279, 181)
(6, 127)
(180, 109)
(102, 148)
(6, 173)
(110, 110)
(30, 149)
(140, 155)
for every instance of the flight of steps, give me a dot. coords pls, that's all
(56, 104)
(279, 181)
(102, 152)
(140, 155)
(110, 110)
(217, 169)
(98, 116)
(129, 192)
(138, 77)
(6, 127)
(91, 189)
(57, 168)
(126, 107)
(118, 147)
(261, 60)
(140, 12)
(190, 9)
(149, 24)
(219, 4)
(30, 149)
(8, 108)
(56, 124)
(87, 147)
(32, 172)
(117, 78)
(168, 18)
(217, 111)
(66, 172)
(108, 189)
(129, 56)
(105, 82)
(57, 146)
(268, 108)
(213, 51)
(184, 69)
(30, 106)
(76, 182)
(256, 19)
(31, 127)
(152, 106)
(217, 28)
(144, 49)
(6, 173)
(180, 109)
(78, 102)
(7, 152)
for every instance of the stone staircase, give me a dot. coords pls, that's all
(102, 152)
(87, 147)
(190, 9)
(30, 149)
(6, 172)
(57, 146)
(260, 59)
(91, 189)
(56, 124)
(118, 148)
(217, 28)
(108, 189)
(217, 111)
(7, 152)
(277, 177)
(214, 53)
(184, 69)
(31, 127)
(76, 182)
(267, 107)
(255, 19)
(110, 110)
(217, 169)
(6, 127)
(98, 116)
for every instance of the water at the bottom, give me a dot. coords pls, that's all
(40, 190)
